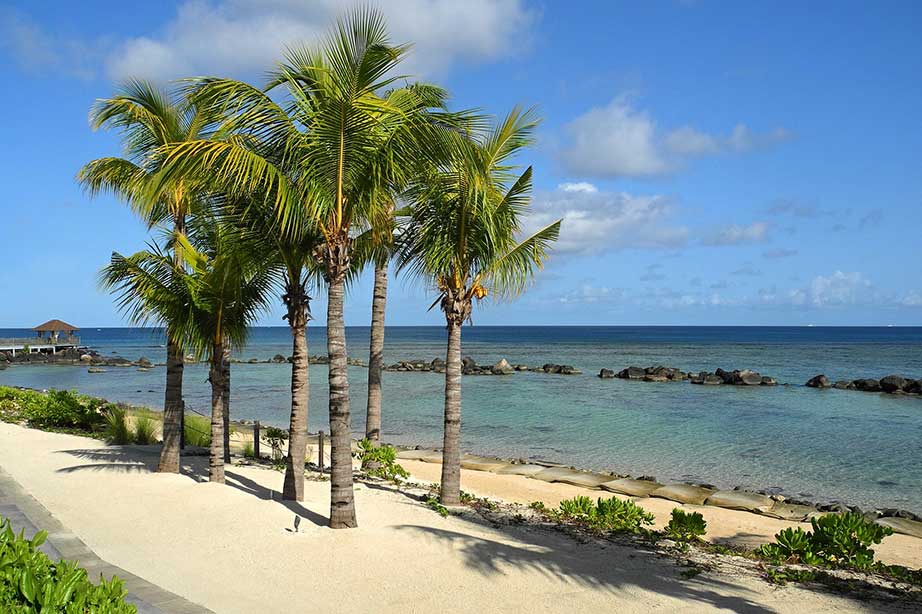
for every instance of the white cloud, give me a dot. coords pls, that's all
(37, 50)
(581, 186)
(240, 37)
(618, 140)
(912, 299)
(599, 221)
(587, 293)
(838, 289)
(757, 232)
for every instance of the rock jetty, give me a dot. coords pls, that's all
(469, 366)
(737, 377)
(890, 384)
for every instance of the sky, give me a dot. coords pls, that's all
(714, 163)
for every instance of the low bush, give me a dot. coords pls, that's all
(30, 582)
(837, 540)
(116, 429)
(686, 527)
(144, 431)
(52, 409)
(605, 515)
(197, 430)
(381, 461)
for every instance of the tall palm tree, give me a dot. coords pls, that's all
(332, 127)
(462, 238)
(148, 119)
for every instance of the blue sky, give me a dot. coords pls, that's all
(714, 162)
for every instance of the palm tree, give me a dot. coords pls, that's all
(332, 127)
(462, 237)
(149, 119)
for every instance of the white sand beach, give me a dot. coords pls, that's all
(235, 549)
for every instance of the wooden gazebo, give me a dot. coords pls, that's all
(52, 329)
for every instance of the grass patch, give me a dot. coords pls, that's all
(144, 429)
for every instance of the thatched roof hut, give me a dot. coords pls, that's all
(55, 326)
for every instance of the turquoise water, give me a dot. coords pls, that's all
(862, 448)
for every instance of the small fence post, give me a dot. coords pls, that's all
(320, 451)
(256, 439)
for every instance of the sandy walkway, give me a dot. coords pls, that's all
(234, 549)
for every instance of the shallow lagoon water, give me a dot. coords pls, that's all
(857, 447)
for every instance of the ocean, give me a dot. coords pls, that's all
(860, 448)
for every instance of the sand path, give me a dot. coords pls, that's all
(234, 548)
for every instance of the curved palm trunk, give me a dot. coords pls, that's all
(451, 446)
(225, 363)
(172, 407)
(376, 356)
(293, 488)
(342, 499)
(216, 452)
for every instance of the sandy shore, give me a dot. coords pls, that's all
(234, 548)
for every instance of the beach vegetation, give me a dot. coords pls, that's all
(686, 526)
(144, 431)
(31, 582)
(381, 461)
(435, 505)
(197, 430)
(604, 515)
(116, 430)
(54, 409)
(837, 540)
(463, 237)
(248, 451)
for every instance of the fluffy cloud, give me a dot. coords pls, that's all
(36, 50)
(757, 232)
(244, 36)
(596, 221)
(618, 140)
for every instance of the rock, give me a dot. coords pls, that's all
(632, 373)
(727, 377)
(740, 500)
(683, 493)
(902, 525)
(524, 469)
(520, 367)
(278, 359)
(748, 377)
(482, 463)
(568, 370)
(818, 381)
(914, 386)
(144, 362)
(867, 385)
(437, 363)
(606, 374)
(253, 361)
(551, 368)
(95, 370)
(892, 383)
(790, 511)
(86, 358)
(651, 377)
(769, 381)
(842, 385)
(503, 368)
(631, 487)
(585, 479)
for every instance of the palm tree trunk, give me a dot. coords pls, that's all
(216, 455)
(293, 488)
(376, 356)
(225, 363)
(342, 498)
(451, 446)
(172, 407)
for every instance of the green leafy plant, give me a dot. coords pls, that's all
(30, 582)
(248, 450)
(783, 575)
(686, 527)
(116, 429)
(606, 515)
(837, 540)
(434, 504)
(381, 461)
(197, 430)
(144, 431)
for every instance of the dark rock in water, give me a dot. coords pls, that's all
(144, 363)
(278, 359)
(843, 385)
(503, 368)
(867, 385)
(632, 373)
(551, 368)
(914, 386)
(818, 381)
(654, 377)
(437, 363)
(253, 361)
(568, 370)
(727, 377)
(769, 381)
(606, 374)
(747, 377)
(893, 383)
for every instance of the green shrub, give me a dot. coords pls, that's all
(144, 431)
(381, 461)
(197, 430)
(686, 527)
(116, 429)
(62, 409)
(837, 540)
(435, 505)
(606, 515)
(248, 451)
(30, 582)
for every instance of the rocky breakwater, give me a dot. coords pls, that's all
(737, 377)
(890, 384)
(76, 357)
(469, 366)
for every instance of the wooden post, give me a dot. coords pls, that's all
(320, 451)
(256, 439)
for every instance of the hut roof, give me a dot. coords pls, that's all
(55, 326)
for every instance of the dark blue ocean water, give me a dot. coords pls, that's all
(859, 447)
